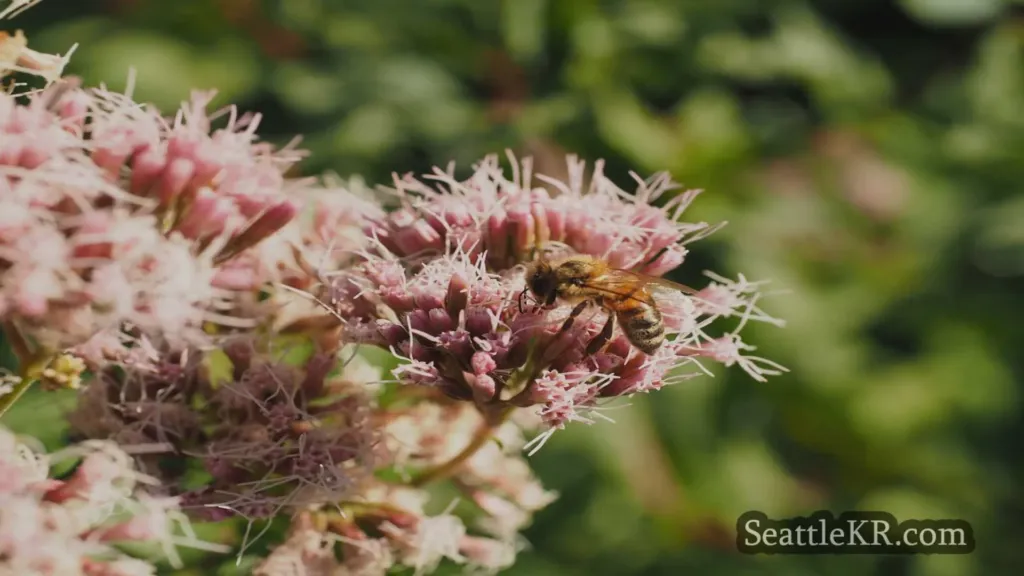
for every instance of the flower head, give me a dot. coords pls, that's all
(270, 435)
(510, 219)
(389, 529)
(71, 526)
(441, 288)
(115, 217)
(16, 56)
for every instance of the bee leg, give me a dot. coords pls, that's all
(602, 339)
(573, 315)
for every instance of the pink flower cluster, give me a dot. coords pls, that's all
(115, 220)
(72, 527)
(441, 288)
(510, 219)
(113, 215)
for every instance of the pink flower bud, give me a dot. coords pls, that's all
(489, 554)
(497, 237)
(34, 153)
(111, 159)
(478, 321)
(266, 224)
(457, 296)
(556, 223)
(398, 298)
(174, 180)
(419, 320)
(393, 334)
(456, 342)
(73, 108)
(667, 261)
(207, 215)
(496, 506)
(483, 363)
(523, 230)
(93, 227)
(147, 167)
(418, 237)
(428, 300)
(439, 321)
(482, 386)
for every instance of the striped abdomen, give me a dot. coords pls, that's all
(641, 321)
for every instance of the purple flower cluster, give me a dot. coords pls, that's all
(270, 435)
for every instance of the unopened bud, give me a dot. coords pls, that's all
(64, 372)
(272, 220)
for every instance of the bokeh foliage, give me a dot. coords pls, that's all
(869, 156)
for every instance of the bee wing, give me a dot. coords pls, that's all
(665, 283)
(632, 285)
(630, 280)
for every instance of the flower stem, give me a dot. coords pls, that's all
(492, 420)
(30, 366)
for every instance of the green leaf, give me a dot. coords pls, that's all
(167, 69)
(240, 567)
(996, 84)
(368, 130)
(293, 349)
(622, 119)
(953, 12)
(999, 247)
(308, 89)
(41, 415)
(219, 368)
(523, 27)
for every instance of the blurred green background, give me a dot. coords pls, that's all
(868, 154)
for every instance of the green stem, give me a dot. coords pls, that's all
(29, 373)
(521, 381)
(30, 367)
(492, 420)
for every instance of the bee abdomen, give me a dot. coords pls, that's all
(643, 327)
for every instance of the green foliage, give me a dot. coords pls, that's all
(869, 157)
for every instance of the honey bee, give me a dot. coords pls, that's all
(625, 295)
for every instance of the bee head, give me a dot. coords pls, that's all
(540, 279)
